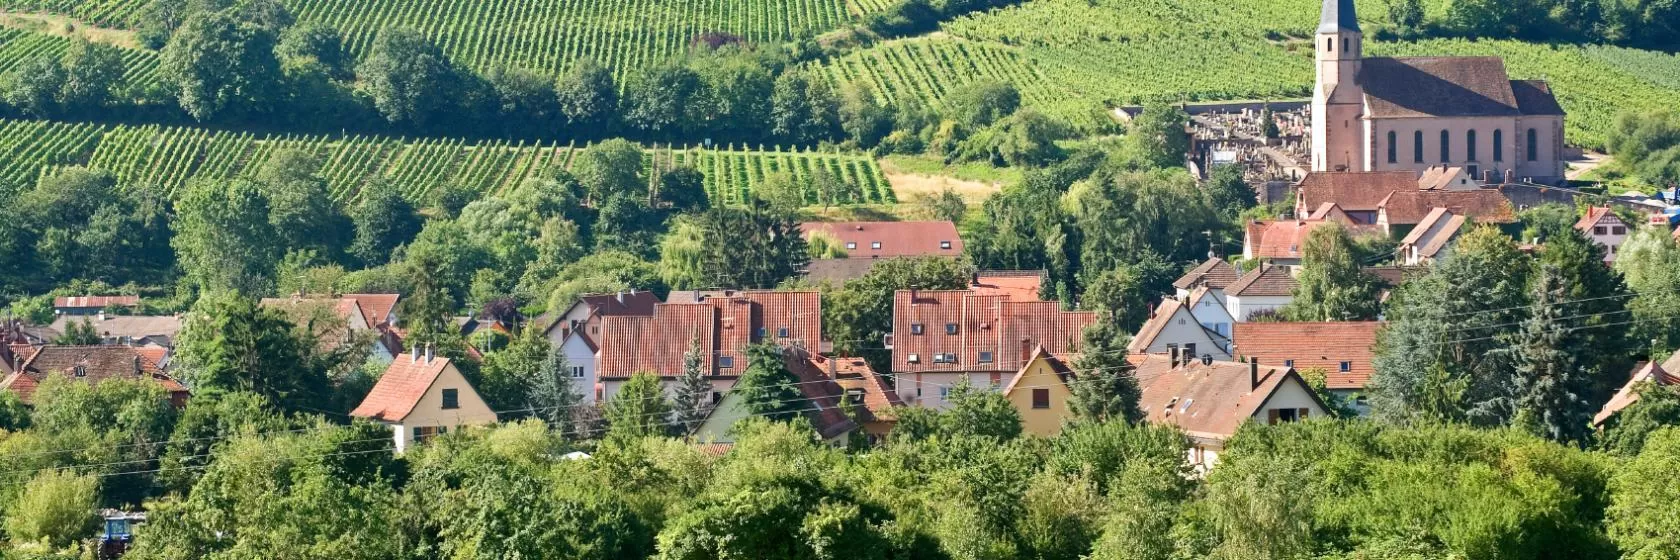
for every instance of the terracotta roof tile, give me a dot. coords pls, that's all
(822, 393)
(1445, 86)
(95, 302)
(375, 307)
(725, 322)
(1004, 331)
(838, 271)
(1057, 364)
(400, 388)
(1017, 285)
(1487, 206)
(1592, 216)
(1267, 280)
(1280, 239)
(657, 342)
(1625, 397)
(97, 363)
(1214, 273)
(1209, 401)
(879, 399)
(895, 239)
(1350, 190)
(1313, 345)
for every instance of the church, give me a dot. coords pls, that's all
(1410, 114)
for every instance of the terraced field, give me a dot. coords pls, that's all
(168, 157)
(19, 47)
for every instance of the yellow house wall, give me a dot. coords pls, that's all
(430, 412)
(1041, 421)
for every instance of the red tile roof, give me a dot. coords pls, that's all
(1017, 285)
(1280, 239)
(95, 302)
(1351, 191)
(1005, 330)
(97, 363)
(821, 393)
(1214, 273)
(400, 388)
(1593, 215)
(1488, 206)
(1209, 401)
(897, 239)
(1313, 345)
(725, 322)
(375, 307)
(1158, 321)
(1627, 395)
(1430, 239)
(879, 400)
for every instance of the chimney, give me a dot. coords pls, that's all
(1172, 355)
(137, 369)
(1487, 175)
(1253, 374)
(621, 298)
(414, 353)
(833, 373)
(1510, 176)
(428, 353)
(914, 292)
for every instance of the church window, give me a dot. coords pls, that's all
(1533, 145)
(1498, 144)
(1417, 147)
(1393, 150)
(1446, 147)
(1470, 146)
(1344, 44)
(1330, 45)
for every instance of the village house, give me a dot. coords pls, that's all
(872, 399)
(576, 331)
(1652, 375)
(1431, 236)
(1175, 327)
(1265, 289)
(421, 396)
(1604, 228)
(822, 401)
(865, 243)
(1408, 114)
(1342, 350)
(1284, 242)
(90, 364)
(83, 306)
(1040, 392)
(1215, 274)
(131, 330)
(721, 324)
(1210, 399)
(942, 337)
(1396, 202)
(336, 321)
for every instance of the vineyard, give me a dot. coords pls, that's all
(541, 35)
(167, 157)
(19, 47)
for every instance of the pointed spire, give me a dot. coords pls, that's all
(1338, 16)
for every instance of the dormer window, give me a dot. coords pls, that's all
(875, 245)
(915, 328)
(944, 244)
(81, 371)
(726, 361)
(914, 358)
(950, 328)
(985, 357)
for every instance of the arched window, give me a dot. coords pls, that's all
(1533, 145)
(1470, 146)
(1344, 44)
(1498, 144)
(1446, 147)
(1393, 147)
(1329, 45)
(1417, 147)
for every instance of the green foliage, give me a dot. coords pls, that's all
(409, 78)
(693, 395)
(611, 169)
(973, 413)
(209, 418)
(1649, 262)
(78, 224)
(1105, 388)
(1228, 192)
(587, 95)
(223, 237)
(14, 415)
(217, 65)
(753, 247)
(1626, 432)
(767, 388)
(1640, 517)
(857, 314)
(301, 209)
(1157, 137)
(1648, 145)
(981, 103)
(383, 220)
(229, 343)
(802, 107)
(1332, 284)
(79, 333)
(56, 509)
(638, 410)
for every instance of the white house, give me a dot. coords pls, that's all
(1605, 228)
(577, 332)
(1209, 310)
(1425, 242)
(1174, 329)
(1214, 273)
(421, 397)
(1264, 289)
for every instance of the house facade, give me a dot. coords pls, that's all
(941, 338)
(1215, 274)
(1265, 289)
(1040, 392)
(421, 396)
(1173, 327)
(1604, 228)
(576, 330)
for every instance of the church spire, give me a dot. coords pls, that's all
(1338, 16)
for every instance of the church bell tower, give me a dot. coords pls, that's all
(1338, 100)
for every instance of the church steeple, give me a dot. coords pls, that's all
(1338, 16)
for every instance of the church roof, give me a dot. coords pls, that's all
(1534, 97)
(1443, 86)
(1338, 15)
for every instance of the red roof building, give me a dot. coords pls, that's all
(965, 331)
(1017, 285)
(723, 323)
(89, 305)
(93, 364)
(873, 240)
(1342, 349)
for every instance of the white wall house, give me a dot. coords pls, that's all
(1605, 229)
(1174, 328)
(421, 397)
(1267, 288)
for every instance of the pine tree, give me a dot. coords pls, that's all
(767, 387)
(1552, 384)
(691, 398)
(1105, 387)
(550, 394)
(639, 409)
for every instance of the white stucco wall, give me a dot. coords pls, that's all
(1185, 328)
(1290, 395)
(578, 354)
(1515, 156)
(1240, 307)
(934, 385)
(429, 412)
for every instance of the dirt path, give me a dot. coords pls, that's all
(63, 26)
(1588, 162)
